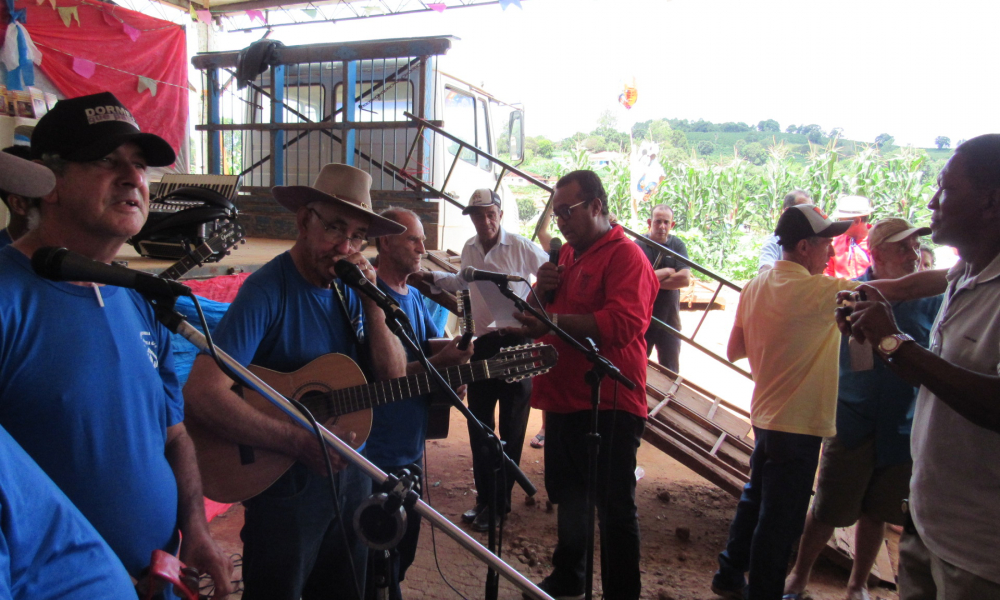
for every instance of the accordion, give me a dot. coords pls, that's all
(187, 211)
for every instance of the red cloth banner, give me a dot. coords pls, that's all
(159, 54)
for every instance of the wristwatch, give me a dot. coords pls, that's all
(890, 343)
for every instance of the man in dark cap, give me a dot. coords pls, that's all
(290, 312)
(87, 385)
(784, 326)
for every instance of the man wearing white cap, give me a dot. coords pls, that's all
(87, 384)
(784, 326)
(493, 249)
(865, 470)
(850, 249)
(288, 313)
(17, 206)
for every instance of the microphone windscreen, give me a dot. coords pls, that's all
(468, 274)
(555, 247)
(348, 272)
(46, 262)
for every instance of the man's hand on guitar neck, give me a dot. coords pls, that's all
(444, 356)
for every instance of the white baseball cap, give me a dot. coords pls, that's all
(483, 197)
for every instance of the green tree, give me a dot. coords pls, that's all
(545, 147)
(661, 131)
(791, 129)
(678, 139)
(769, 125)
(595, 143)
(836, 132)
(884, 139)
(815, 136)
(754, 153)
(942, 142)
(734, 127)
(705, 147)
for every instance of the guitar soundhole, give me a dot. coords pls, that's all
(319, 404)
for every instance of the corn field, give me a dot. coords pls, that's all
(724, 211)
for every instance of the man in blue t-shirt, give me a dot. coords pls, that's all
(399, 429)
(87, 385)
(48, 550)
(290, 312)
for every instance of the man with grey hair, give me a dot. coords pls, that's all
(88, 386)
(770, 252)
(864, 472)
(399, 429)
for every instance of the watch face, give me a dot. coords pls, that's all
(889, 344)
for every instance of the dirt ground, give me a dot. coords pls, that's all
(683, 519)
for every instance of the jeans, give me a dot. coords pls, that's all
(400, 557)
(771, 513)
(293, 546)
(668, 347)
(515, 405)
(566, 484)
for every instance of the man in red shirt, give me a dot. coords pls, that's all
(851, 256)
(604, 290)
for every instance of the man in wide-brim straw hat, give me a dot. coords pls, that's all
(288, 313)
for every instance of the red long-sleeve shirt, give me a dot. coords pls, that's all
(613, 281)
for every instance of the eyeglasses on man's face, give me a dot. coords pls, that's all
(335, 233)
(564, 212)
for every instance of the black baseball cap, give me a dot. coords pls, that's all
(804, 221)
(91, 127)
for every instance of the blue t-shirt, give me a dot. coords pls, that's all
(48, 550)
(878, 402)
(89, 393)
(280, 321)
(399, 428)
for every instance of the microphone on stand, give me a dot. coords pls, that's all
(350, 274)
(471, 274)
(60, 264)
(555, 247)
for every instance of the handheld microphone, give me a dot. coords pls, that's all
(471, 274)
(555, 247)
(60, 264)
(350, 274)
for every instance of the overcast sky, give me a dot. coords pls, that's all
(914, 69)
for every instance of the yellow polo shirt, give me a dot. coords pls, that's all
(793, 346)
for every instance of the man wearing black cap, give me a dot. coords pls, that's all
(87, 384)
(290, 312)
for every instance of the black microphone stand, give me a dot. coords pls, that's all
(484, 435)
(600, 368)
(164, 309)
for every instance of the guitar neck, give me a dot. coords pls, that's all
(345, 401)
(187, 263)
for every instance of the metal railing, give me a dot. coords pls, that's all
(321, 103)
(425, 125)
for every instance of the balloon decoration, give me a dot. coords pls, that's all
(630, 95)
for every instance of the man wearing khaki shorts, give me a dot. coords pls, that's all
(865, 469)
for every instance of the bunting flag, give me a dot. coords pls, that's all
(131, 32)
(83, 67)
(437, 7)
(194, 15)
(255, 15)
(145, 83)
(505, 3)
(310, 12)
(20, 56)
(68, 14)
(205, 16)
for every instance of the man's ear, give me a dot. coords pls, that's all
(802, 247)
(301, 216)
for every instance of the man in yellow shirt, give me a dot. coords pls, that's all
(785, 326)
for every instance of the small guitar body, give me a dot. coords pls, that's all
(334, 390)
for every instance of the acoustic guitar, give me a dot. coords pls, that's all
(334, 390)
